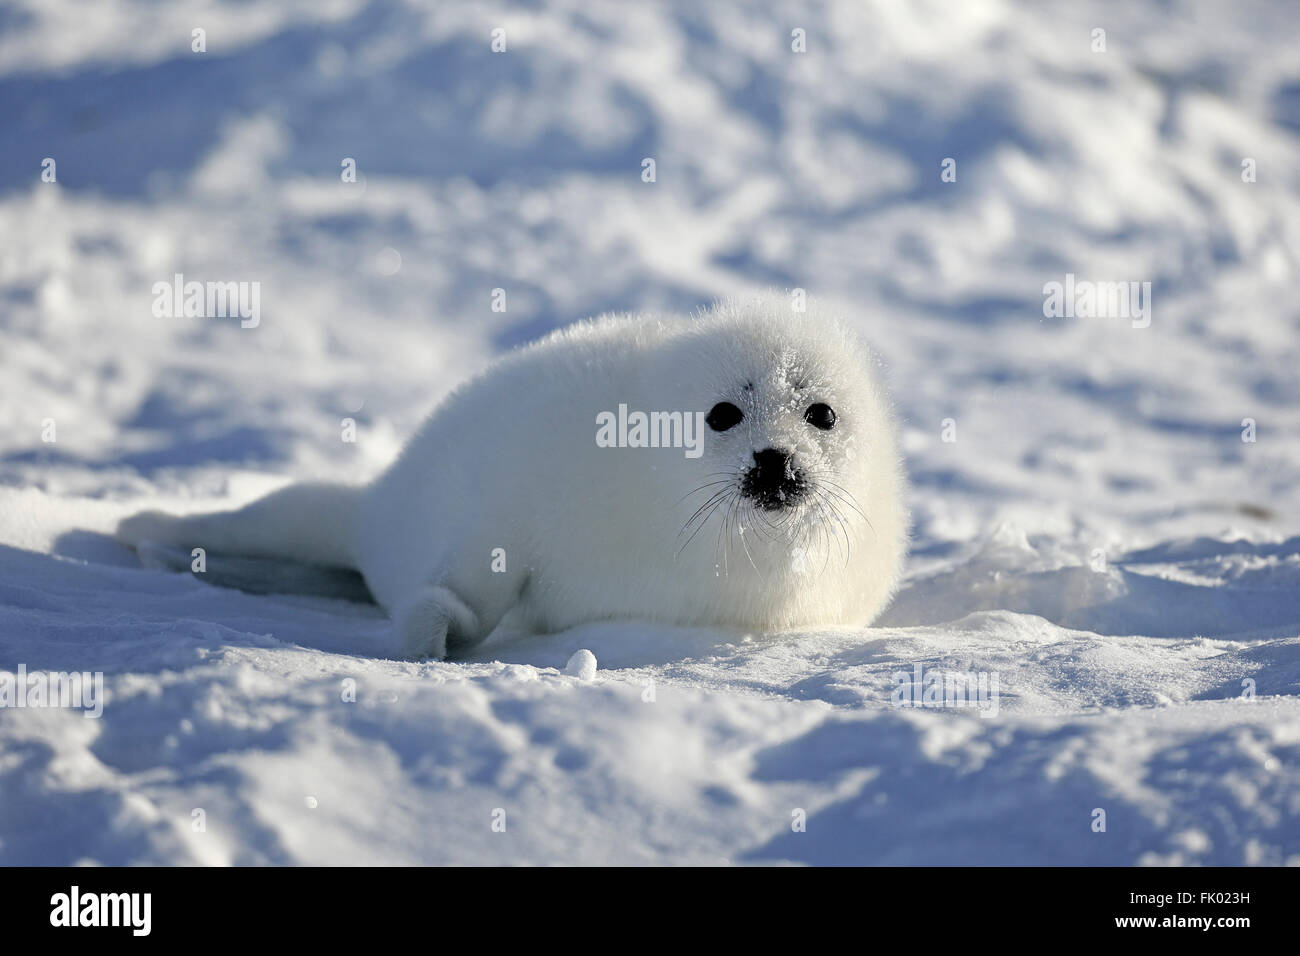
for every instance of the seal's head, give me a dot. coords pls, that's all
(799, 488)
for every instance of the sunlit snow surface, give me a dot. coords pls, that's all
(1099, 537)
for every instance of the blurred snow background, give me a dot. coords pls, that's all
(1099, 535)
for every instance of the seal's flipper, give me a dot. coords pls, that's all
(258, 575)
(310, 523)
(434, 620)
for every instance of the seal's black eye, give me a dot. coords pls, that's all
(820, 416)
(723, 416)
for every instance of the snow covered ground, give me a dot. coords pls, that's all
(1099, 538)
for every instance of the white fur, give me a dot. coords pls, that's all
(510, 461)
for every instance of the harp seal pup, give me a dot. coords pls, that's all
(530, 490)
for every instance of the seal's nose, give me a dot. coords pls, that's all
(774, 482)
(771, 462)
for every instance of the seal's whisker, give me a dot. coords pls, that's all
(726, 534)
(707, 484)
(712, 499)
(722, 543)
(845, 496)
(843, 527)
(716, 495)
(842, 493)
(745, 544)
(822, 522)
(705, 520)
(823, 526)
(770, 529)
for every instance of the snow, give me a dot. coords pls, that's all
(1098, 538)
(581, 665)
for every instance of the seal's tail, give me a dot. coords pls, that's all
(311, 523)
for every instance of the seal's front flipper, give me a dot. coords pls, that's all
(257, 575)
(434, 620)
